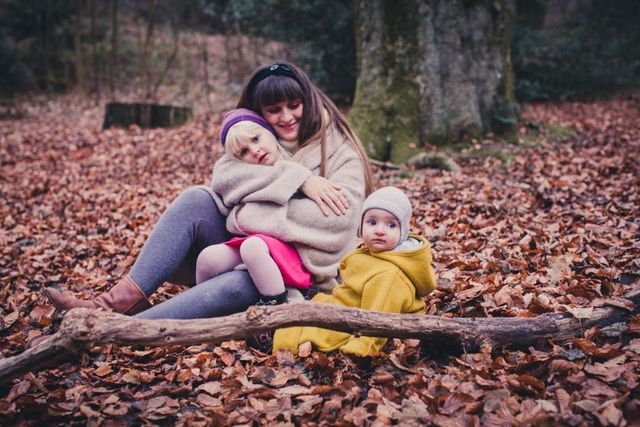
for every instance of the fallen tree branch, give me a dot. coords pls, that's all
(83, 328)
(386, 165)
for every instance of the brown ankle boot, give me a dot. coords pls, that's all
(125, 297)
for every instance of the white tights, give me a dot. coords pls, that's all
(254, 253)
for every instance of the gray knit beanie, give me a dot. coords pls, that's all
(393, 201)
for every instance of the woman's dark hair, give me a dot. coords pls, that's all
(283, 81)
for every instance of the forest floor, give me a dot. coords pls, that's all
(552, 227)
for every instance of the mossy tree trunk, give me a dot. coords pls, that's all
(430, 72)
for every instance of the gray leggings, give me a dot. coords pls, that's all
(191, 223)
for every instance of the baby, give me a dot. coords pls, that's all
(390, 272)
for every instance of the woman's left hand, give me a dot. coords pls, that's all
(325, 193)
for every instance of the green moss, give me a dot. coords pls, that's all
(407, 173)
(435, 160)
(387, 125)
(504, 113)
(368, 122)
(473, 131)
(461, 146)
(505, 155)
(522, 140)
(544, 132)
(556, 132)
(385, 109)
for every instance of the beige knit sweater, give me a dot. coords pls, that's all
(266, 199)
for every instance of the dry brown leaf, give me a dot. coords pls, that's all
(456, 401)
(563, 399)
(207, 401)
(211, 387)
(116, 409)
(304, 349)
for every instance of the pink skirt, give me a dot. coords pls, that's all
(294, 273)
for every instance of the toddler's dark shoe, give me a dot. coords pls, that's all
(262, 341)
(272, 299)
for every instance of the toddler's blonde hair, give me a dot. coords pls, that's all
(244, 131)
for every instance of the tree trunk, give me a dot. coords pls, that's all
(385, 108)
(83, 328)
(204, 54)
(430, 72)
(147, 116)
(174, 53)
(531, 14)
(77, 46)
(113, 54)
(94, 52)
(234, 56)
(47, 31)
(147, 43)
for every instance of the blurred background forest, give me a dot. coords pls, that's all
(198, 52)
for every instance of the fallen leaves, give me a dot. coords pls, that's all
(554, 230)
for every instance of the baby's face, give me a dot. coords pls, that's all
(261, 148)
(380, 230)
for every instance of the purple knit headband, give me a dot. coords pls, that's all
(241, 115)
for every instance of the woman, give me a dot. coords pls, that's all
(329, 170)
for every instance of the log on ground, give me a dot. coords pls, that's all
(83, 328)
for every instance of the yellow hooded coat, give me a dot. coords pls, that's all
(390, 282)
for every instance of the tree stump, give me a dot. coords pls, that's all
(147, 116)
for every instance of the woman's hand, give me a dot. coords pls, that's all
(325, 193)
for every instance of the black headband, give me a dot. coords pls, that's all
(274, 70)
